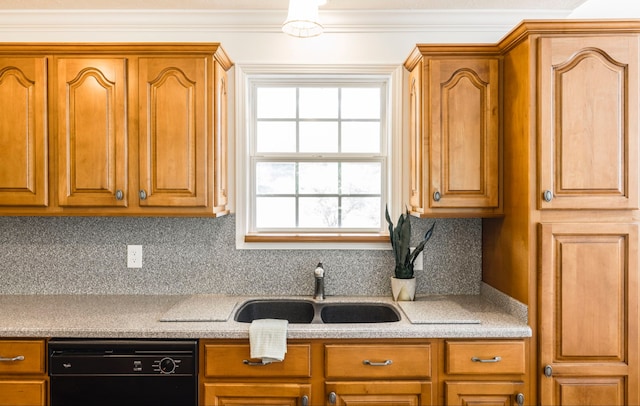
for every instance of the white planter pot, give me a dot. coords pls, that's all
(403, 289)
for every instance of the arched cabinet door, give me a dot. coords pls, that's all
(23, 132)
(91, 115)
(174, 137)
(588, 138)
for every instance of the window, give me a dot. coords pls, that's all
(315, 157)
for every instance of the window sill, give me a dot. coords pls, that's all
(316, 238)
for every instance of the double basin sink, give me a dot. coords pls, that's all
(306, 312)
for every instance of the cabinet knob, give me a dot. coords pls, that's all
(119, 195)
(547, 196)
(304, 401)
(143, 194)
(436, 196)
(333, 398)
(520, 399)
(548, 371)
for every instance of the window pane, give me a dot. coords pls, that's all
(361, 178)
(275, 178)
(361, 103)
(361, 137)
(361, 212)
(318, 102)
(318, 137)
(274, 102)
(318, 177)
(275, 212)
(318, 212)
(279, 136)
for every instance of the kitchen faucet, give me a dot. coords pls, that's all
(319, 275)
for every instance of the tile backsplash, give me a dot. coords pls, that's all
(87, 255)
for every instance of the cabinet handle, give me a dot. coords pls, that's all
(304, 401)
(490, 360)
(143, 195)
(436, 196)
(548, 371)
(14, 359)
(520, 399)
(255, 363)
(377, 364)
(119, 195)
(333, 398)
(547, 196)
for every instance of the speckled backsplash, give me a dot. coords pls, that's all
(59, 255)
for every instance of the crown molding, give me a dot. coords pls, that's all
(266, 21)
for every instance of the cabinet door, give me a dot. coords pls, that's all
(416, 143)
(589, 314)
(372, 393)
(220, 189)
(23, 132)
(588, 105)
(23, 392)
(463, 133)
(255, 394)
(482, 393)
(174, 137)
(91, 113)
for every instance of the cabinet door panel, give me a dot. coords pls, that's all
(588, 306)
(173, 133)
(255, 394)
(589, 122)
(23, 132)
(91, 115)
(482, 393)
(372, 393)
(23, 392)
(463, 138)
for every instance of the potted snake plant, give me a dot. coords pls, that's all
(403, 283)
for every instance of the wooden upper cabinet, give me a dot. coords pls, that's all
(23, 132)
(173, 131)
(454, 135)
(91, 115)
(589, 307)
(220, 189)
(588, 101)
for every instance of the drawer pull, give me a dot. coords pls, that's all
(255, 363)
(14, 359)
(491, 360)
(377, 364)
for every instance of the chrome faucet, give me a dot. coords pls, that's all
(319, 275)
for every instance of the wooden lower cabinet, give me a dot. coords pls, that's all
(484, 393)
(254, 394)
(23, 380)
(374, 393)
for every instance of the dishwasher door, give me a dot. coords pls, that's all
(123, 372)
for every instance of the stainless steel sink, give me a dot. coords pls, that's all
(305, 312)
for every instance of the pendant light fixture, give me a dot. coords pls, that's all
(302, 19)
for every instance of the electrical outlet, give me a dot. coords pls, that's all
(134, 256)
(417, 264)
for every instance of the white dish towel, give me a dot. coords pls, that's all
(268, 339)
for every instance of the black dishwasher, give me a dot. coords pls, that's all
(123, 372)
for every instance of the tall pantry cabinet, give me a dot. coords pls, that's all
(568, 242)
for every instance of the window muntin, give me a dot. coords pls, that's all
(318, 156)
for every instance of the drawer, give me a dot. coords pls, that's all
(23, 393)
(485, 357)
(385, 361)
(22, 357)
(228, 360)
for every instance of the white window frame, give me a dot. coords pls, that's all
(393, 189)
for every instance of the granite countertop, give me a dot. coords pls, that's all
(211, 316)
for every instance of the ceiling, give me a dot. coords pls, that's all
(282, 4)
